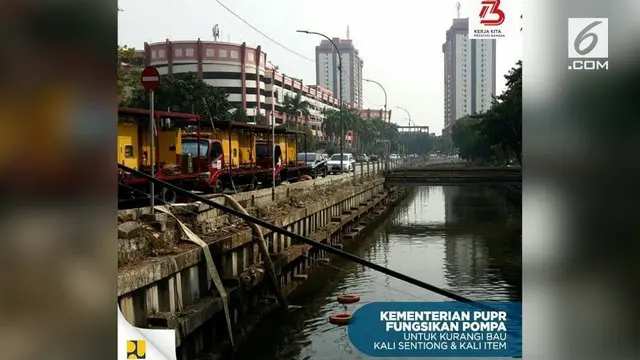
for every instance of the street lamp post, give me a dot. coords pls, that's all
(385, 94)
(385, 107)
(408, 114)
(340, 88)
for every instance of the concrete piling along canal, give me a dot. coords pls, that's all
(165, 281)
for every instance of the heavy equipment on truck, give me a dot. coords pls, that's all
(224, 156)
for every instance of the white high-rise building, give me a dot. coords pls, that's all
(327, 74)
(469, 73)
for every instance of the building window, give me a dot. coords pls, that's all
(210, 52)
(178, 52)
(154, 54)
(234, 54)
(189, 52)
(161, 54)
(222, 53)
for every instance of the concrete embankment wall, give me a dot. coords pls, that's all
(134, 243)
(164, 283)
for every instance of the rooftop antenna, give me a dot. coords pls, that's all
(348, 35)
(216, 32)
(458, 6)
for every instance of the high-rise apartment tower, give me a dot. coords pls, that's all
(327, 74)
(469, 73)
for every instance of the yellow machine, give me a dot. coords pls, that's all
(128, 152)
(239, 149)
(291, 155)
(235, 149)
(134, 145)
(134, 137)
(233, 155)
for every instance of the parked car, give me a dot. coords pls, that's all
(362, 158)
(373, 158)
(348, 162)
(317, 163)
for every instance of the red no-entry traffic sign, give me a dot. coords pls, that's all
(150, 78)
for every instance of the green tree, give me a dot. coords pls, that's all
(129, 71)
(390, 132)
(418, 142)
(502, 123)
(295, 107)
(370, 135)
(471, 143)
(377, 136)
(331, 126)
(366, 131)
(189, 94)
(494, 135)
(442, 144)
(240, 114)
(351, 122)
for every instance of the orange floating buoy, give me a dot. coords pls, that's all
(348, 299)
(340, 319)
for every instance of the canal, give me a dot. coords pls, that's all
(466, 239)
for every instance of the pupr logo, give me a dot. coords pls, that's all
(136, 349)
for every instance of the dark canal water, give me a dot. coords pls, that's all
(465, 239)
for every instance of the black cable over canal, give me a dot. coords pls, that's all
(302, 239)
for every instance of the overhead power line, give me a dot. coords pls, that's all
(263, 34)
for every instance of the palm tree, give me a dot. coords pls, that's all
(356, 126)
(384, 133)
(391, 131)
(295, 107)
(360, 128)
(367, 131)
(349, 119)
(331, 124)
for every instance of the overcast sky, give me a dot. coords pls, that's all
(400, 41)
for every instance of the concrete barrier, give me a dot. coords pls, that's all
(263, 197)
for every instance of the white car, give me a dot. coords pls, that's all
(347, 163)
